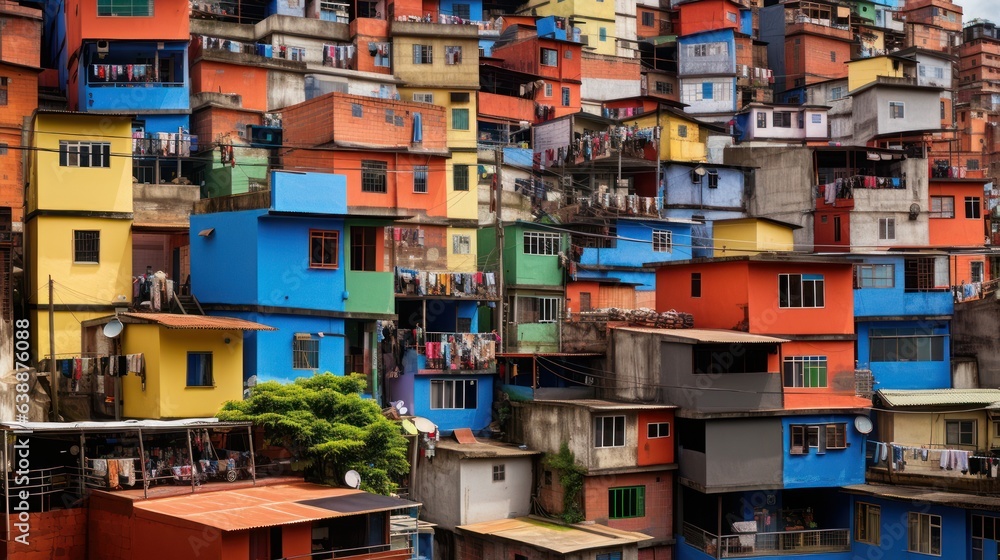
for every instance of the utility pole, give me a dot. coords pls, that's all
(53, 380)
(656, 138)
(498, 223)
(621, 146)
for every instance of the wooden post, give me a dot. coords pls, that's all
(194, 469)
(53, 380)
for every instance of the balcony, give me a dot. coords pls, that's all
(442, 28)
(132, 87)
(419, 284)
(164, 144)
(797, 22)
(621, 204)
(459, 353)
(754, 544)
(928, 473)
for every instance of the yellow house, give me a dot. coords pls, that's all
(682, 138)
(595, 19)
(78, 223)
(864, 71)
(749, 236)
(193, 363)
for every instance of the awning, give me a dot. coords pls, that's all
(556, 537)
(939, 397)
(693, 336)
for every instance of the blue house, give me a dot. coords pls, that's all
(704, 193)
(293, 258)
(706, 69)
(903, 320)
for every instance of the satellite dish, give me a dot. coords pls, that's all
(113, 328)
(398, 405)
(424, 425)
(403, 410)
(352, 479)
(409, 428)
(863, 424)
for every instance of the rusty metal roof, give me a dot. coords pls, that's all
(559, 538)
(599, 405)
(707, 335)
(479, 449)
(266, 506)
(194, 322)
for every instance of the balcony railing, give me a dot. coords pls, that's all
(163, 144)
(623, 204)
(460, 351)
(767, 544)
(126, 75)
(429, 283)
(974, 290)
(376, 552)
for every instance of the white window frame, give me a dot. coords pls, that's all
(542, 243)
(71, 149)
(798, 371)
(461, 244)
(920, 533)
(601, 424)
(548, 57)
(548, 89)
(438, 400)
(663, 241)
(887, 229)
(943, 207)
(875, 275)
(500, 472)
(423, 97)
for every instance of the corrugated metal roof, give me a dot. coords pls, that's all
(189, 322)
(120, 426)
(561, 539)
(926, 495)
(939, 397)
(597, 404)
(484, 450)
(266, 506)
(707, 335)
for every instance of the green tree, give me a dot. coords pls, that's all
(325, 423)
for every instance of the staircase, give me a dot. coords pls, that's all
(187, 304)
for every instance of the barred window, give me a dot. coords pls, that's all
(125, 8)
(373, 176)
(305, 352)
(461, 177)
(423, 54)
(420, 178)
(84, 154)
(87, 246)
(541, 243)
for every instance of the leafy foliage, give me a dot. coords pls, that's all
(325, 423)
(571, 480)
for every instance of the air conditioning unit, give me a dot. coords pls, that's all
(102, 47)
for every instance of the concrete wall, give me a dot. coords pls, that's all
(723, 98)
(721, 62)
(636, 362)
(714, 391)
(872, 204)
(680, 192)
(437, 487)
(483, 499)
(921, 111)
(740, 453)
(783, 187)
(973, 329)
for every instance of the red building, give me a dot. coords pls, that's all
(805, 300)
(959, 222)
(556, 62)
(707, 15)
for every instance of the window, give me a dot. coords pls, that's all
(423, 97)
(550, 57)
(609, 556)
(420, 178)
(460, 119)
(664, 87)
(867, 523)
(817, 119)
(782, 119)
(609, 431)
(695, 177)
(707, 90)
(905, 345)
(324, 249)
(363, 240)
(199, 369)
(942, 110)
(805, 371)
(942, 207)
(602, 34)
(662, 241)
(125, 8)
(358, 112)
(836, 436)
(542, 243)
(924, 274)
(548, 90)
(837, 236)
(976, 271)
(836, 93)
(682, 131)
(648, 19)
(960, 432)
(973, 208)
(3, 91)
(537, 309)
(924, 533)
(84, 154)
(373, 176)
(3, 149)
(459, 96)
(800, 290)
(565, 97)
(895, 109)
(874, 276)
(453, 394)
(657, 430)
(731, 16)
(305, 352)
(389, 116)
(695, 284)
(800, 119)
(802, 438)
(452, 55)
(761, 119)
(460, 179)
(499, 473)
(462, 11)
(423, 54)
(627, 502)
(713, 179)
(461, 244)
(87, 246)
(833, 56)
(886, 229)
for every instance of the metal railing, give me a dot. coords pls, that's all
(974, 290)
(628, 204)
(460, 351)
(379, 551)
(864, 383)
(767, 544)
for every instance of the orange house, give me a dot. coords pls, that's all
(806, 300)
(249, 82)
(959, 220)
(707, 15)
(554, 61)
